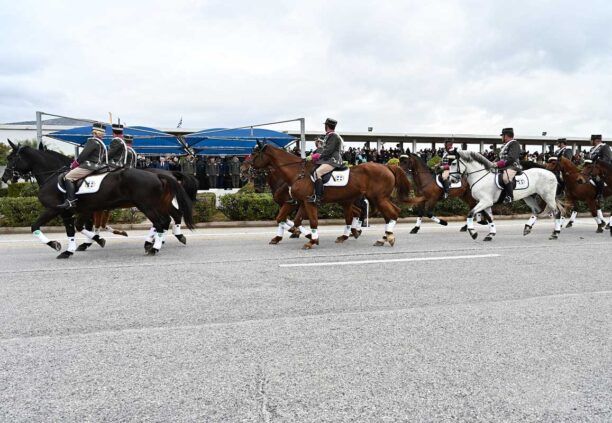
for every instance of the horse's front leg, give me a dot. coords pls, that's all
(68, 219)
(348, 220)
(312, 213)
(492, 228)
(280, 221)
(45, 217)
(480, 206)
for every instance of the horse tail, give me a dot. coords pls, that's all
(184, 202)
(402, 183)
(189, 183)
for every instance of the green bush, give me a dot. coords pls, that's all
(3, 192)
(394, 162)
(22, 211)
(434, 161)
(23, 189)
(204, 208)
(131, 215)
(249, 206)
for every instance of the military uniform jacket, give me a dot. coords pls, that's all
(234, 168)
(564, 152)
(94, 155)
(449, 156)
(511, 152)
(117, 152)
(332, 149)
(212, 169)
(601, 152)
(130, 160)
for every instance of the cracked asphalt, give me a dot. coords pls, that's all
(230, 329)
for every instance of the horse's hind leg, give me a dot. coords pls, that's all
(419, 221)
(177, 216)
(68, 219)
(390, 212)
(535, 209)
(488, 215)
(86, 230)
(348, 219)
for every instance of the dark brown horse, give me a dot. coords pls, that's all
(602, 170)
(374, 181)
(430, 193)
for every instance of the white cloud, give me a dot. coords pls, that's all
(442, 66)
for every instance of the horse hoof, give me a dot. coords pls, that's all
(295, 235)
(607, 227)
(600, 228)
(309, 245)
(152, 251)
(443, 222)
(309, 236)
(122, 233)
(379, 243)
(391, 239)
(148, 245)
(489, 237)
(483, 222)
(275, 240)
(355, 233)
(341, 239)
(181, 239)
(415, 230)
(527, 230)
(55, 245)
(64, 255)
(473, 233)
(83, 247)
(463, 228)
(569, 224)
(555, 235)
(100, 241)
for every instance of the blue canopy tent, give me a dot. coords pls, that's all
(146, 140)
(233, 142)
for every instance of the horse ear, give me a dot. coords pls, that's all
(13, 146)
(41, 147)
(259, 144)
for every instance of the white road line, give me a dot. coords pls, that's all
(342, 263)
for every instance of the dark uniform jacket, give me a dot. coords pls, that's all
(94, 155)
(449, 156)
(511, 152)
(331, 150)
(131, 157)
(212, 169)
(117, 152)
(601, 152)
(565, 152)
(234, 167)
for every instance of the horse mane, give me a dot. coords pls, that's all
(528, 164)
(57, 155)
(472, 156)
(420, 161)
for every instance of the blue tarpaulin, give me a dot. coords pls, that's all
(229, 142)
(146, 140)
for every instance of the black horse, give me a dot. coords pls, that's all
(151, 193)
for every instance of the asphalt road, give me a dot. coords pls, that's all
(228, 328)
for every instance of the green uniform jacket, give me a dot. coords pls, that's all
(94, 155)
(331, 150)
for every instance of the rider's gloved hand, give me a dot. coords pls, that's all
(74, 164)
(445, 167)
(315, 157)
(501, 163)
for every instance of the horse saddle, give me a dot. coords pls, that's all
(521, 181)
(335, 178)
(453, 185)
(89, 185)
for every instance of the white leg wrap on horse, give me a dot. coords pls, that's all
(290, 223)
(359, 224)
(176, 229)
(151, 235)
(478, 216)
(492, 228)
(280, 230)
(88, 234)
(38, 234)
(557, 224)
(355, 223)
(107, 228)
(573, 216)
(532, 220)
(347, 230)
(71, 244)
(304, 231)
(96, 231)
(418, 222)
(286, 226)
(435, 219)
(470, 223)
(315, 234)
(390, 226)
(159, 238)
(600, 216)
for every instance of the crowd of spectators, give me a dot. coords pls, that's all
(211, 172)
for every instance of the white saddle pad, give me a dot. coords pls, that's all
(90, 185)
(453, 185)
(522, 182)
(339, 178)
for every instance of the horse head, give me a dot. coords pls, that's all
(17, 165)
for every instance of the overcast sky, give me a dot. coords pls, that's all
(399, 66)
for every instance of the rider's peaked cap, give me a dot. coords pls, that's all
(595, 137)
(507, 131)
(331, 122)
(117, 127)
(99, 126)
(128, 138)
(561, 141)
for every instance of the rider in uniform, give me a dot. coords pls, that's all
(449, 156)
(508, 162)
(563, 150)
(93, 158)
(131, 156)
(117, 150)
(330, 158)
(600, 151)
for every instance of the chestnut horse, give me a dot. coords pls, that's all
(287, 205)
(374, 181)
(603, 170)
(427, 188)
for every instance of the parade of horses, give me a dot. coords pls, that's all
(322, 211)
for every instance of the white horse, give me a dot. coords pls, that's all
(484, 189)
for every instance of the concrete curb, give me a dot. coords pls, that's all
(261, 223)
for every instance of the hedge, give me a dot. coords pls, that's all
(22, 211)
(3, 192)
(204, 208)
(23, 189)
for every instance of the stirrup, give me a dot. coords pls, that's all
(68, 204)
(508, 200)
(312, 199)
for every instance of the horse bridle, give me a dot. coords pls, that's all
(302, 173)
(28, 176)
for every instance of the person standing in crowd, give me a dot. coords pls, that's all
(234, 171)
(188, 165)
(201, 172)
(162, 164)
(212, 170)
